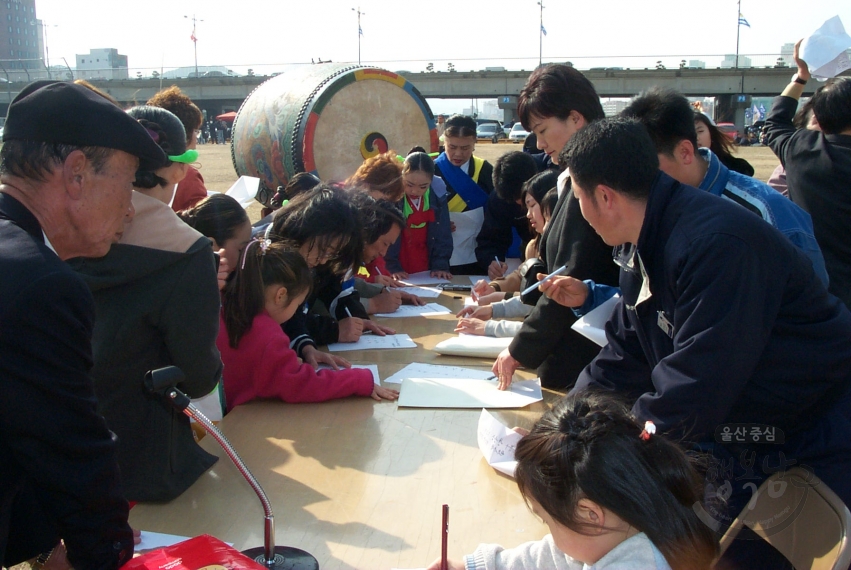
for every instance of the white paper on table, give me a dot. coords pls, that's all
(373, 342)
(244, 190)
(825, 50)
(467, 227)
(371, 367)
(424, 292)
(416, 311)
(423, 278)
(473, 345)
(469, 302)
(152, 540)
(463, 393)
(593, 324)
(422, 370)
(497, 443)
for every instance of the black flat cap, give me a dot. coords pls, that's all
(66, 113)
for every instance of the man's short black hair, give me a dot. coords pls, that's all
(510, 172)
(460, 126)
(616, 152)
(667, 116)
(832, 106)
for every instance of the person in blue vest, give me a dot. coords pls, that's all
(469, 181)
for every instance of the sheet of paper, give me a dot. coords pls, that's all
(424, 292)
(416, 311)
(593, 325)
(467, 227)
(497, 443)
(463, 393)
(825, 50)
(421, 370)
(371, 367)
(244, 190)
(469, 302)
(152, 540)
(423, 278)
(473, 346)
(373, 342)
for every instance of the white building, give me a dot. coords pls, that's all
(104, 63)
(730, 61)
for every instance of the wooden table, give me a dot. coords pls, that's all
(357, 483)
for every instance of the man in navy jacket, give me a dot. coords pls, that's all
(722, 320)
(67, 167)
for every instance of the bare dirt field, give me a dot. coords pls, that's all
(217, 167)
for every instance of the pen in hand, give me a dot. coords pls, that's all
(531, 288)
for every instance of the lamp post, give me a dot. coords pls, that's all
(541, 33)
(194, 39)
(360, 31)
(44, 25)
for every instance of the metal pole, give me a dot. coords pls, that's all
(46, 49)
(738, 30)
(71, 73)
(541, 35)
(360, 30)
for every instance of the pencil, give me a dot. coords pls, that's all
(531, 288)
(444, 564)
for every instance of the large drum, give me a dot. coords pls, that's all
(326, 119)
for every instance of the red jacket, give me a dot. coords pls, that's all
(264, 366)
(190, 190)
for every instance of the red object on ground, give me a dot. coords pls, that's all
(196, 553)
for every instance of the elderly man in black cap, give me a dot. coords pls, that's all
(67, 167)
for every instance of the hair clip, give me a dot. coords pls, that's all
(262, 243)
(187, 157)
(649, 429)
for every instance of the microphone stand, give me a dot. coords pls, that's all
(163, 382)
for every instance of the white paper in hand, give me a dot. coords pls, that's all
(497, 443)
(825, 50)
(593, 325)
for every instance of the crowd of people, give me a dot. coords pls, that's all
(733, 309)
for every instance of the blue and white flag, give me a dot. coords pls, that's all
(742, 21)
(360, 31)
(543, 30)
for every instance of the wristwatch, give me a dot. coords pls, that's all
(798, 80)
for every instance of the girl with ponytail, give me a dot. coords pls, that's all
(271, 282)
(613, 494)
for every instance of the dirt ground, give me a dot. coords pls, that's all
(217, 167)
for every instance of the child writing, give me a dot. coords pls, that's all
(613, 495)
(426, 242)
(271, 282)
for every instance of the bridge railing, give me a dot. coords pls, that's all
(15, 71)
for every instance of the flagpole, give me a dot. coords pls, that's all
(194, 39)
(541, 34)
(738, 31)
(360, 30)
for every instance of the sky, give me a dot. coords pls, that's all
(472, 34)
(405, 35)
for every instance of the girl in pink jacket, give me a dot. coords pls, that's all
(270, 284)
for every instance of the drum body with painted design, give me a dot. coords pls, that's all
(327, 119)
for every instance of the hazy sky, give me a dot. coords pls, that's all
(470, 33)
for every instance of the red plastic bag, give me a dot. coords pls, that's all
(200, 553)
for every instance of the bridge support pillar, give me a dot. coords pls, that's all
(731, 109)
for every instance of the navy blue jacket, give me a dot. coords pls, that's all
(55, 449)
(737, 326)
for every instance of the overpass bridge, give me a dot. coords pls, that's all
(220, 94)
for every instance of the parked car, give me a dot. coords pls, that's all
(518, 134)
(490, 131)
(729, 129)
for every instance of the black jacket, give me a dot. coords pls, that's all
(818, 176)
(55, 449)
(158, 304)
(546, 341)
(496, 236)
